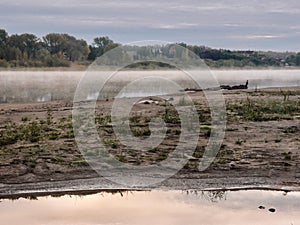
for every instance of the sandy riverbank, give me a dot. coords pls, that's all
(261, 145)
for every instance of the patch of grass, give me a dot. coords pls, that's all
(222, 161)
(15, 161)
(121, 158)
(284, 94)
(112, 142)
(91, 154)
(224, 156)
(108, 130)
(171, 116)
(68, 135)
(204, 114)
(206, 129)
(265, 110)
(230, 129)
(103, 120)
(42, 122)
(25, 119)
(291, 130)
(49, 117)
(162, 157)
(31, 162)
(239, 142)
(31, 132)
(53, 136)
(141, 131)
(8, 137)
(114, 145)
(79, 162)
(135, 119)
(68, 125)
(287, 155)
(198, 154)
(57, 159)
(153, 150)
(177, 132)
(63, 119)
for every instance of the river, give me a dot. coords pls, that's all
(41, 86)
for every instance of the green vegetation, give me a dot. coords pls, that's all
(33, 131)
(171, 116)
(8, 137)
(153, 150)
(287, 155)
(25, 118)
(60, 50)
(52, 50)
(239, 142)
(291, 130)
(265, 110)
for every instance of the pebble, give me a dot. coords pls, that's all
(272, 210)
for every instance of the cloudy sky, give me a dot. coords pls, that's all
(233, 24)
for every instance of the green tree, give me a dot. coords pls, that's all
(66, 46)
(3, 42)
(297, 59)
(55, 44)
(100, 46)
(76, 50)
(28, 44)
(13, 53)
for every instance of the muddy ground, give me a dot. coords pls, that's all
(261, 145)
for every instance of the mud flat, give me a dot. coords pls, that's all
(38, 152)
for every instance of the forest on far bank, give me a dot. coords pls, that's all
(62, 50)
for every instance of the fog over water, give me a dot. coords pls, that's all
(38, 86)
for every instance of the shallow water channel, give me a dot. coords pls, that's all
(156, 207)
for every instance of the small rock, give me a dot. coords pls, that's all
(261, 207)
(272, 210)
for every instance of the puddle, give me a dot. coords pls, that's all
(157, 207)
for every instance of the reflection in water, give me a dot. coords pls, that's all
(156, 207)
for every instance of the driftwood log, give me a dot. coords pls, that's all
(235, 87)
(224, 87)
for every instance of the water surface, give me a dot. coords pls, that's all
(156, 207)
(27, 86)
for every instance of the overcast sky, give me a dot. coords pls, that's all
(233, 24)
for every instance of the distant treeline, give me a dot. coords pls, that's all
(60, 50)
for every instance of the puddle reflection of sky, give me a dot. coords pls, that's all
(156, 207)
